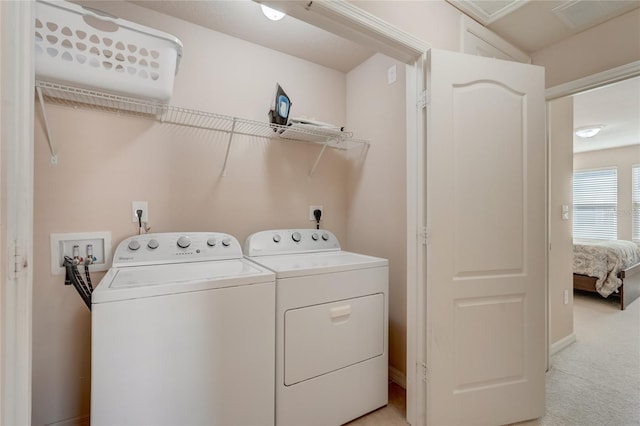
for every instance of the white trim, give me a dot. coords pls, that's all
(397, 377)
(416, 119)
(470, 28)
(75, 421)
(562, 344)
(594, 81)
(17, 211)
(351, 22)
(476, 12)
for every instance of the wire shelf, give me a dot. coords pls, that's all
(79, 97)
(90, 99)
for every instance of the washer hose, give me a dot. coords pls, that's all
(73, 277)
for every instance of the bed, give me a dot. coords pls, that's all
(608, 268)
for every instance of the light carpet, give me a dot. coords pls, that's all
(596, 380)
(593, 382)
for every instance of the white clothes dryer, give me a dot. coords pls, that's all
(331, 326)
(183, 333)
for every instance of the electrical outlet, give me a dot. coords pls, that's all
(62, 245)
(312, 209)
(139, 205)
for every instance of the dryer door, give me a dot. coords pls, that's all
(323, 338)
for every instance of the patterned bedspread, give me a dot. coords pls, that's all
(604, 260)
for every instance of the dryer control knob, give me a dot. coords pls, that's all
(134, 245)
(184, 242)
(296, 237)
(153, 244)
(226, 241)
(314, 237)
(325, 236)
(211, 242)
(276, 238)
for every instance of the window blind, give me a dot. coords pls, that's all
(595, 204)
(636, 203)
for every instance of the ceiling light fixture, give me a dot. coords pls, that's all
(588, 131)
(274, 15)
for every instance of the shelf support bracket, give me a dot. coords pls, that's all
(315, 164)
(226, 156)
(47, 129)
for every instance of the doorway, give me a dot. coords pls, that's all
(560, 169)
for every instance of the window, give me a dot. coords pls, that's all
(636, 203)
(595, 204)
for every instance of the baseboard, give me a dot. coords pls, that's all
(562, 344)
(76, 421)
(397, 377)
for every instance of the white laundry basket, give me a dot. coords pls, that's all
(89, 49)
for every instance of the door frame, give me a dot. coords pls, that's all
(570, 88)
(16, 209)
(594, 81)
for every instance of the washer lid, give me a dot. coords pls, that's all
(155, 280)
(297, 265)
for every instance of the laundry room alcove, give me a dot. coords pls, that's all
(171, 154)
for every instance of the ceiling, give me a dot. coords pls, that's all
(532, 25)
(243, 19)
(529, 24)
(617, 107)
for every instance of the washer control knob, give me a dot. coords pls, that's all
(325, 236)
(184, 242)
(276, 238)
(226, 241)
(153, 244)
(211, 242)
(296, 237)
(134, 245)
(314, 237)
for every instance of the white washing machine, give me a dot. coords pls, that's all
(183, 331)
(331, 326)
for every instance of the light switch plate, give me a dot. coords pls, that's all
(391, 74)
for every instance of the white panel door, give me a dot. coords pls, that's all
(485, 305)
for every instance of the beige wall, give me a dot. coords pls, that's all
(106, 161)
(377, 187)
(560, 113)
(435, 22)
(608, 45)
(622, 158)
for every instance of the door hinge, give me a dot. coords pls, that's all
(425, 236)
(424, 372)
(424, 99)
(18, 259)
